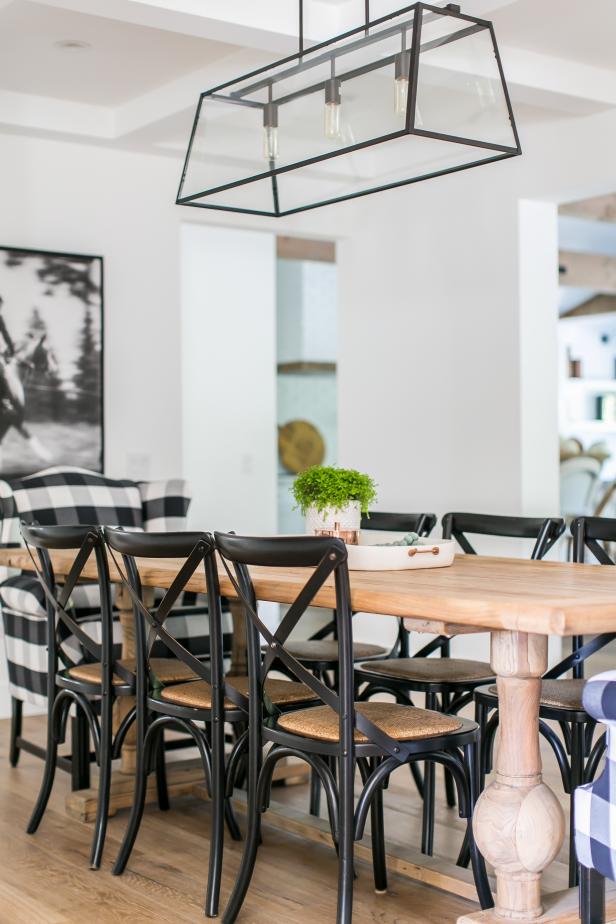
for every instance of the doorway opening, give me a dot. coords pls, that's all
(306, 355)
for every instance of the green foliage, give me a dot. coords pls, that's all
(325, 486)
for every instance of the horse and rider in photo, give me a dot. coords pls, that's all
(17, 363)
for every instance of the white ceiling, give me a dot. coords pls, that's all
(138, 84)
(125, 60)
(580, 30)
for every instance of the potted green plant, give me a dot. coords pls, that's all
(327, 495)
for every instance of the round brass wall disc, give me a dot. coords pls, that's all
(300, 445)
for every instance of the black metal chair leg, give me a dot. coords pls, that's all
(104, 783)
(346, 871)
(450, 789)
(577, 778)
(232, 825)
(315, 794)
(80, 752)
(417, 778)
(136, 812)
(472, 755)
(315, 782)
(481, 717)
(16, 717)
(427, 823)
(217, 835)
(162, 791)
(592, 896)
(377, 828)
(49, 772)
(247, 865)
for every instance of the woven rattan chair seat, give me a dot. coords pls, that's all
(168, 670)
(327, 650)
(431, 670)
(561, 694)
(405, 723)
(198, 694)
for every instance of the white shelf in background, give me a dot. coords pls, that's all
(597, 385)
(592, 426)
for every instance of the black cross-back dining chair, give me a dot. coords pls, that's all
(375, 737)
(381, 521)
(319, 652)
(199, 707)
(561, 697)
(90, 687)
(448, 683)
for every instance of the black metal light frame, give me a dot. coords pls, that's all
(501, 152)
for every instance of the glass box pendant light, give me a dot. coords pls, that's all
(415, 94)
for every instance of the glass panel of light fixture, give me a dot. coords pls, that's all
(394, 162)
(316, 108)
(460, 92)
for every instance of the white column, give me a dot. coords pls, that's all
(228, 377)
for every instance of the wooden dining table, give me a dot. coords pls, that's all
(518, 821)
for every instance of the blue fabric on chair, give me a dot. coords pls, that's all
(595, 803)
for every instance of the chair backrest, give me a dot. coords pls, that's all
(78, 497)
(85, 541)
(588, 533)
(196, 549)
(420, 523)
(544, 531)
(578, 480)
(324, 557)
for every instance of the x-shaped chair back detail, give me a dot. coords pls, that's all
(326, 557)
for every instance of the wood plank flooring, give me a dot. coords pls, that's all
(44, 879)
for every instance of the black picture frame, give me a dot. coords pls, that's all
(52, 311)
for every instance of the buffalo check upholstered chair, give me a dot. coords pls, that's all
(78, 497)
(595, 807)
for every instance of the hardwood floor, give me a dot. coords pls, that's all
(44, 879)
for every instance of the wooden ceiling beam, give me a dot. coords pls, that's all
(600, 208)
(300, 248)
(587, 271)
(598, 304)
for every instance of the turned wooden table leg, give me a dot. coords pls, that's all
(125, 703)
(519, 824)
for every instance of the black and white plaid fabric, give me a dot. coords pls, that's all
(72, 496)
(164, 504)
(595, 803)
(68, 497)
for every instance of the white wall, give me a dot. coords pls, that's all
(70, 197)
(431, 390)
(229, 377)
(60, 196)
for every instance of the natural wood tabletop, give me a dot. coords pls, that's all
(547, 598)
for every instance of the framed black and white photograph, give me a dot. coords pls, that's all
(51, 361)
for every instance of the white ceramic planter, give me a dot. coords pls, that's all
(348, 518)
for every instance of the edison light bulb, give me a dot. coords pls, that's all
(333, 109)
(401, 83)
(270, 142)
(270, 132)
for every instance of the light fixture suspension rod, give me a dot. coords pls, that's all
(238, 96)
(367, 12)
(301, 28)
(304, 65)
